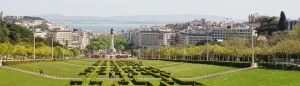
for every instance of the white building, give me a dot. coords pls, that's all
(150, 37)
(213, 34)
(194, 36)
(224, 33)
(62, 36)
(80, 38)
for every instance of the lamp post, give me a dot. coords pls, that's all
(33, 43)
(52, 46)
(253, 64)
(207, 37)
(184, 49)
(63, 49)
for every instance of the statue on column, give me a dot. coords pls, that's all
(111, 50)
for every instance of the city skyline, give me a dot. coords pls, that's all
(237, 9)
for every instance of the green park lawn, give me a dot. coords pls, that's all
(156, 62)
(256, 77)
(52, 68)
(186, 70)
(15, 78)
(82, 62)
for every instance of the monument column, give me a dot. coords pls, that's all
(111, 50)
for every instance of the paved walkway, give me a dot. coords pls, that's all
(218, 74)
(33, 73)
(59, 78)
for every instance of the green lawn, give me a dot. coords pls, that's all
(15, 78)
(52, 68)
(83, 62)
(188, 70)
(256, 77)
(156, 62)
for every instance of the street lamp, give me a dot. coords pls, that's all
(184, 49)
(33, 43)
(52, 45)
(253, 64)
(207, 43)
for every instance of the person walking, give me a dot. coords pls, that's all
(41, 71)
(110, 74)
(113, 74)
(129, 74)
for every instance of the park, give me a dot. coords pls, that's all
(152, 72)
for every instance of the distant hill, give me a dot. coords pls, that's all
(139, 18)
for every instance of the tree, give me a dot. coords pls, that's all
(268, 25)
(5, 49)
(4, 32)
(136, 53)
(43, 26)
(75, 52)
(282, 25)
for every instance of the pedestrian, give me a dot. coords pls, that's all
(113, 74)
(140, 62)
(41, 71)
(129, 74)
(110, 74)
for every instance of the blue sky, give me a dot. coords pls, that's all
(238, 9)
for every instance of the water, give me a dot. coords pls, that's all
(107, 27)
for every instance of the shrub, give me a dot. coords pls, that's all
(180, 82)
(75, 82)
(168, 80)
(136, 81)
(279, 66)
(162, 83)
(219, 63)
(95, 83)
(165, 75)
(23, 62)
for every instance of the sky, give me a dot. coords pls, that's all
(237, 9)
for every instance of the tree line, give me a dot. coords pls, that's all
(282, 46)
(16, 42)
(122, 44)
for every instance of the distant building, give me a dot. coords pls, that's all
(224, 33)
(150, 37)
(194, 36)
(212, 34)
(253, 20)
(157, 27)
(293, 23)
(155, 38)
(62, 36)
(80, 38)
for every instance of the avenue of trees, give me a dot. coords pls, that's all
(283, 46)
(16, 42)
(102, 42)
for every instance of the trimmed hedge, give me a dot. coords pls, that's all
(76, 82)
(180, 82)
(219, 63)
(168, 80)
(24, 62)
(279, 66)
(95, 83)
(162, 83)
(4, 63)
(165, 75)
